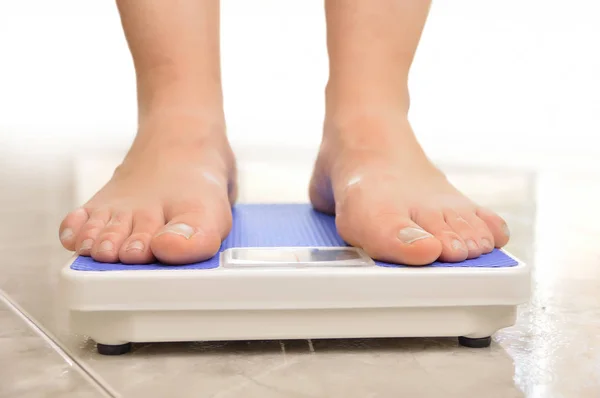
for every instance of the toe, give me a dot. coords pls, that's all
(390, 237)
(466, 231)
(486, 239)
(89, 231)
(110, 238)
(454, 249)
(191, 237)
(496, 225)
(136, 248)
(71, 226)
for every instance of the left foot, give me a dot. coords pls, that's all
(391, 201)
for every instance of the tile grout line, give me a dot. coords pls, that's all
(58, 347)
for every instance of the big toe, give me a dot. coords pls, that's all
(390, 236)
(190, 237)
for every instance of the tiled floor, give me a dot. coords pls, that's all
(553, 351)
(32, 367)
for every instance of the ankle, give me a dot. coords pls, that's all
(354, 101)
(168, 88)
(180, 118)
(180, 130)
(360, 90)
(361, 118)
(381, 130)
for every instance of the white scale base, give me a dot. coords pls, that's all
(292, 294)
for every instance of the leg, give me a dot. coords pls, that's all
(388, 197)
(171, 197)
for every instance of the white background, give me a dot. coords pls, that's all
(508, 82)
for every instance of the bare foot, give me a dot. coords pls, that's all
(169, 200)
(391, 201)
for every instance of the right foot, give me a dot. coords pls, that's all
(170, 200)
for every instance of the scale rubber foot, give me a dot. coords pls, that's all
(482, 342)
(104, 349)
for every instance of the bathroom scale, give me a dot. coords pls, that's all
(284, 273)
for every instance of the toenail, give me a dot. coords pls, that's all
(66, 234)
(457, 245)
(135, 245)
(410, 234)
(105, 246)
(506, 230)
(486, 244)
(86, 245)
(472, 245)
(179, 229)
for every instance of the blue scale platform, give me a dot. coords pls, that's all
(282, 225)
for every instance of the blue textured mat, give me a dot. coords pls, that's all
(279, 225)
